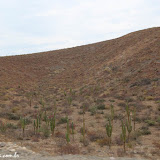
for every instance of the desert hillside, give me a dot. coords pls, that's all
(80, 82)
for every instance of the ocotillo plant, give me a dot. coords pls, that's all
(68, 132)
(112, 114)
(23, 125)
(129, 127)
(109, 131)
(134, 118)
(123, 136)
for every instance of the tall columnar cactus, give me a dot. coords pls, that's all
(34, 126)
(69, 99)
(112, 114)
(72, 126)
(23, 123)
(129, 127)
(68, 132)
(109, 131)
(42, 103)
(37, 124)
(53, 123)
(45, 116)
(72, 92)
(30, 98)
(127, 111)
(134, 118)
(83, 129)
(123, 135)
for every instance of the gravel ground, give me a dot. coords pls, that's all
(10, 151)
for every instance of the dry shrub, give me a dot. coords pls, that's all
(35, 138)
(120, 152)
(103, 142)
(118, 141)
(94, 136)
(157, 144)
(59, 134)
(67, 111)
(69, 149)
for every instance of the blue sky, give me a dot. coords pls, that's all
(28, 26)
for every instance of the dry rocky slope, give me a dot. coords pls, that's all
(133, 56)
(125, 69)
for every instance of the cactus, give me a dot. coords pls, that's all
(123, 135)
(34, 125)
(72, 93)
(37, 124)
(109, 131)
(112, 114)
(53, 123)
(72, 126)
(134, 118)
(23, 125)
(83, 129)
(42, 103)
(65, 94)
(127, 111)
(68, 132)
(30, 98)
(69, 99)
(129, 127)
(45, 116)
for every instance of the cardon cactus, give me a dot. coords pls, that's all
(109, 131)
(129, 127)
(34, 126)
(23, 123)
(45, 116)
(72, 126)
(127, 111)
(37, 124)
(112, 114)
(53, 123)
(68, 132)
(83, 129)
(123, 135)
(134, 118)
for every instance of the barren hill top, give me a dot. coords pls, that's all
(137, 53)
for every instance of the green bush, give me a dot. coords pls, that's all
(101, 107)
(63, 120)
(3, 127)
(150, 122)
(145, 131)
(11, 126)
(12, 116)
(93, 110)
(46, 131)
(158, 120)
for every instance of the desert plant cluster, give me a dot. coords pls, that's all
(45, 122)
